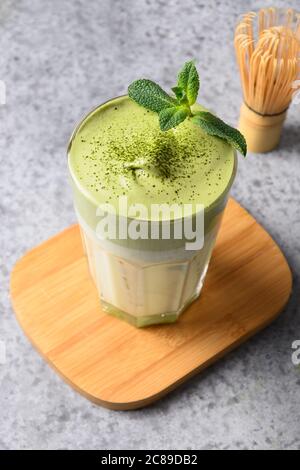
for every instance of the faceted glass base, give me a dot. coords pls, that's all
(146, 320)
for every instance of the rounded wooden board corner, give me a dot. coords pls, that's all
(118, 366)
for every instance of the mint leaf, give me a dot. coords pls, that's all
(179, 92)
(150, 95)
(214, 126)
(188, 80)
(171, 117)
(180, 95)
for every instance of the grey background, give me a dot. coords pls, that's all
(60, 58)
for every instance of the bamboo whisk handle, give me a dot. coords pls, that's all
(262, 133)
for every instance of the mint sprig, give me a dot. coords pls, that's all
(172, 110)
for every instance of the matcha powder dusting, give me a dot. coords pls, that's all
(120, 150)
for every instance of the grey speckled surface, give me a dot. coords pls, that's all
(59, 58)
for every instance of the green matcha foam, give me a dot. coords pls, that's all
(119, 149)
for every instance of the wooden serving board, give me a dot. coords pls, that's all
(121, 367)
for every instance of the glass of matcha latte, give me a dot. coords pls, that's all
(151, 174)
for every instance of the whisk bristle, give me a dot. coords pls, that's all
(268, 52)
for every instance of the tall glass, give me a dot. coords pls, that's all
(145, 281)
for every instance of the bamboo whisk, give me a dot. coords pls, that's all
(267, 46)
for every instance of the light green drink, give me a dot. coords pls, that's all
(119, 151)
